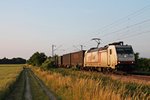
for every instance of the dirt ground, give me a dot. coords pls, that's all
(23, 89)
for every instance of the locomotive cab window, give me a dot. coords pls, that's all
(110, 51)
(127, 50)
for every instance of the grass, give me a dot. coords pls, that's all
(8, 76)
(17, 92)
(78, 85)
(36, 90)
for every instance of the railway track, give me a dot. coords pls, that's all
(30, 87)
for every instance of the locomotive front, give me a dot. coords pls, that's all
(125, 57)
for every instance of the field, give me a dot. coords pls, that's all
(8, 75)
(78, 85)
(67, 84)
(18, 83)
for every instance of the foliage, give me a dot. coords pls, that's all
(79, 85)
(36, 90)
(37, 59)
(48, 63)
(136, 56)
(142, 64)
(17, 88)
(12, 61)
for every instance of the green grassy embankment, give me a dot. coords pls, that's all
(36, 90)
(75, 85)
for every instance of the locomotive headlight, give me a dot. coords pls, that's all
(125, 56)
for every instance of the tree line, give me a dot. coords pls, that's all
(142, 64)
(41, 60)
(12, 61)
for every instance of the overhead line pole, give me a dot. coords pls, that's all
(81, 47)
(54, 49)
(53, 46)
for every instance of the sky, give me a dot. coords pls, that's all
(28, 26)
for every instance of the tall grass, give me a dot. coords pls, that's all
(75, 85)
(8, 75)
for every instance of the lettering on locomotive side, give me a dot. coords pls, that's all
(95, 57)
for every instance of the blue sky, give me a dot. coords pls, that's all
(34, 25)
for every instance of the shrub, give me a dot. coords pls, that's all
(48, 63)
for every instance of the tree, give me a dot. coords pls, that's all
(142, 64)
(12, 61)
(48, 63)
(136, 56)
(37, 59)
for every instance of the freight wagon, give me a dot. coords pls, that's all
(66, 60)
(60, 61)
(77, 58)
(74, 59)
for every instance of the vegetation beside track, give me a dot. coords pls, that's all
(17, 91)
(26, 86)
(73, 85)
(142, 64)
(8, 76)
(36, 90)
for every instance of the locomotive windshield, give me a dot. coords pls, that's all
(124, 50)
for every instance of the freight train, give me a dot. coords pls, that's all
(114, 56)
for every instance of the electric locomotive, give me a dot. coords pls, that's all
(113, 56)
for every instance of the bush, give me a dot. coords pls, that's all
(143, 64)
(48, 63)
(37, 59)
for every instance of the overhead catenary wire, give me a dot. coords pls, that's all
(102, 34)
(132, 15)
(129, 36)
(127, 27)
(134, 27)
(121, 20)
(135, 35)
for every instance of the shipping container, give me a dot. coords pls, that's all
(66, 60)
(77, 58)
(59, 61)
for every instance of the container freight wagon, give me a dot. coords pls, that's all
(66, 60)
(60, 61)
(77, 58)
